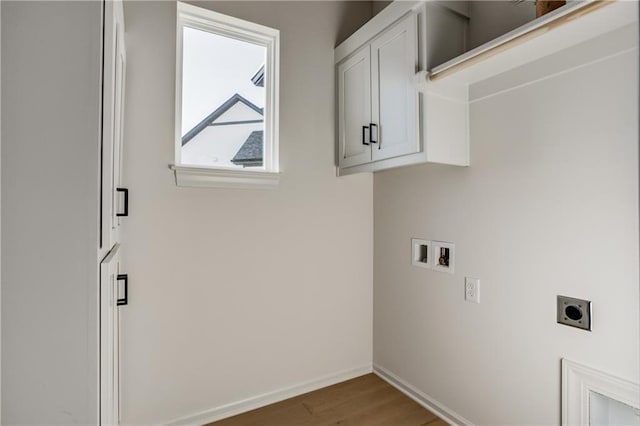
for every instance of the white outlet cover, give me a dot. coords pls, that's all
(436, 247)
(417, 258)
(472, 290)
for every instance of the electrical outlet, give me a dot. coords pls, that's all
(472, 290)
(574, 312)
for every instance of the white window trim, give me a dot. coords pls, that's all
(217, 23)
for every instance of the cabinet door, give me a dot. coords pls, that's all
(354, 109)
(394, 57)
(110, 338)
(118, 131)
(112, 119)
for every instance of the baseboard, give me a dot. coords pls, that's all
(234, 408)
(420, 397)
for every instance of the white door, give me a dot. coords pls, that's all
(113, 293)
(394, 58)
(354, 109)
(113, 196)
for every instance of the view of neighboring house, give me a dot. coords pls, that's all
(230, 136)
(250, 153)
(258, 78)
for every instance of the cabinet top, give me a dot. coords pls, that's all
(387, 17)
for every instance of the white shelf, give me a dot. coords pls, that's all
(587, 31)
(563, 28)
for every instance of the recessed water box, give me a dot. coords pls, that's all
(443, 256)
(421, 253)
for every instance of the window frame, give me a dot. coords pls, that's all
(227, 26)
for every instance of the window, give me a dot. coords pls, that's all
(226, 100)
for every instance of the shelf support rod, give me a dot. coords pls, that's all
(521, 38)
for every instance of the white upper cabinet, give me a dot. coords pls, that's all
(114, 196)
(423, 81)
(377, 101)
(354, 104)
(394, 100)
(382, 113)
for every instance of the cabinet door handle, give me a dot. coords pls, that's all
(371, 132)
(125, 299)
(364, 129)
(125, 211)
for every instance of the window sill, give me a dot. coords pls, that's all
(202, 177)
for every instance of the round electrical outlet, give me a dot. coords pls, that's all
(573, 312)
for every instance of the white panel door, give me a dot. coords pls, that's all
(113, 198)
(394, 58)
(354, 109)
(113, 289)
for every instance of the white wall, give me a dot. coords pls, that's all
(50, 139)
(378, 5)
(234, 293)
(489, 19)
(549, 206)
(460, 6)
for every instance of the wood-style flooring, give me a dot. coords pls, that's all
(363, 401)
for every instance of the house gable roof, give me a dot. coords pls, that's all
(217, 113)
(250, 153)
(258, 78)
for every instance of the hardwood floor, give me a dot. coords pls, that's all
(363, 401)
